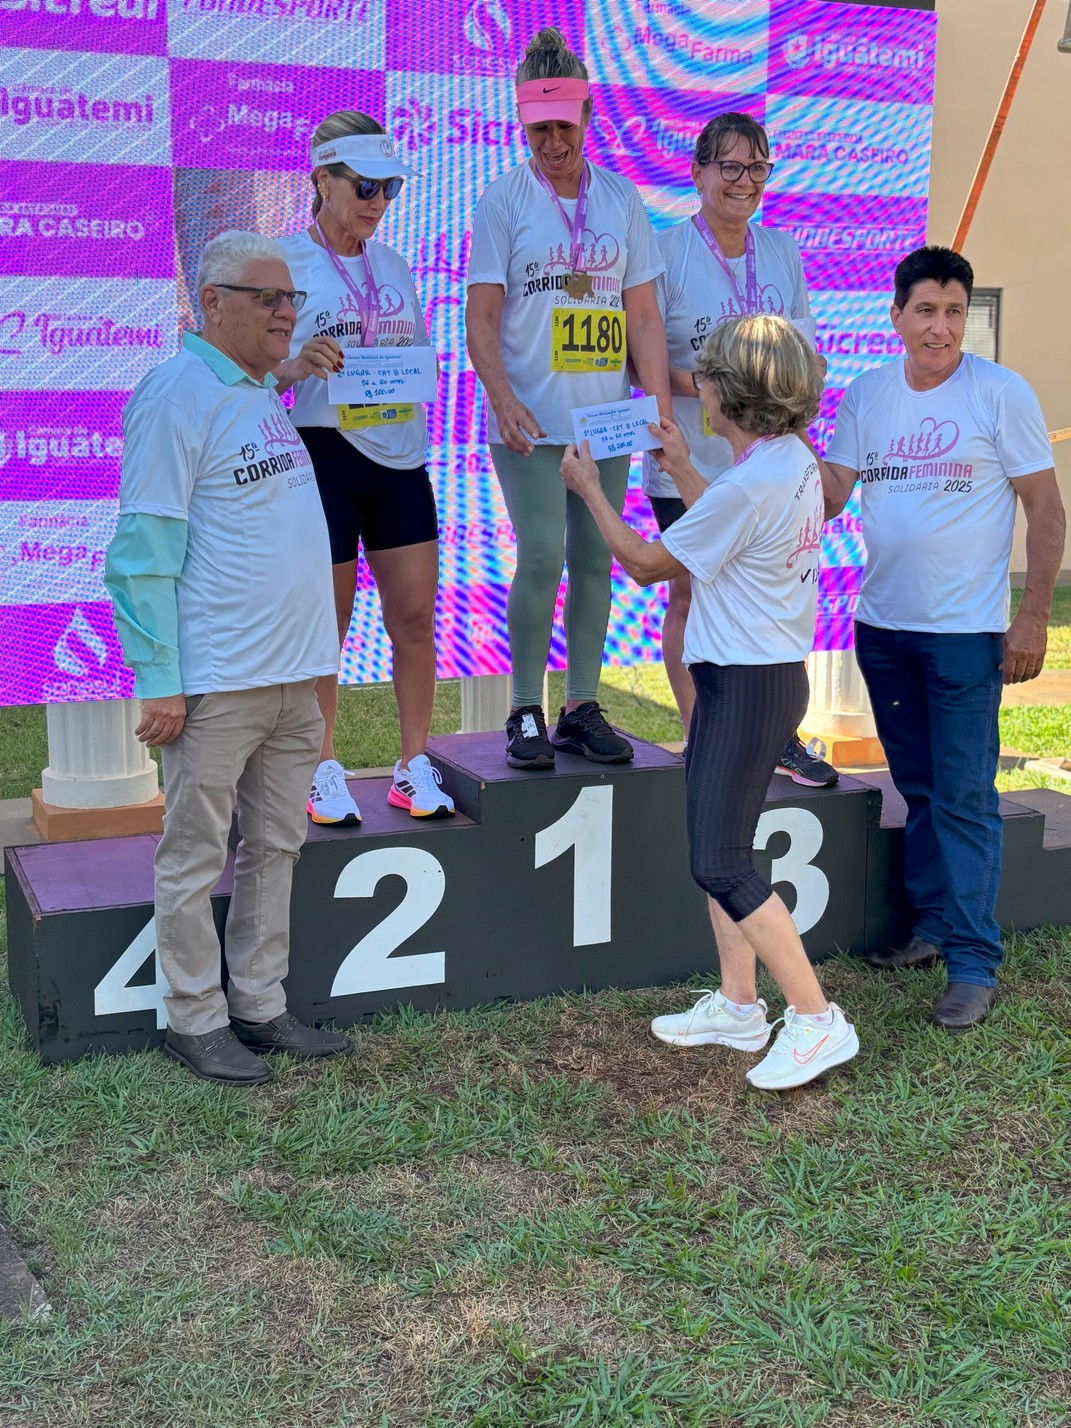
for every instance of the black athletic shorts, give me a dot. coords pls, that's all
(667, 509)
(366, 502)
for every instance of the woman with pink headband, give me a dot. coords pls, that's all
(561, 298)
(369, 460)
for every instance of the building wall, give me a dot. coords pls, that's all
(1020, 240)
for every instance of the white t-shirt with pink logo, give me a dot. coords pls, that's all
(936, 472)
(255, 606)
(520, 242)
(751, 544)
(331, 311)
(695, 296)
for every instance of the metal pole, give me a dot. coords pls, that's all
(1064, 43)
(985, 162)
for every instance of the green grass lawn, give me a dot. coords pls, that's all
(636, 699)
(538, 1215)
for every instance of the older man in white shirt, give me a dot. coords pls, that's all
(220, 577)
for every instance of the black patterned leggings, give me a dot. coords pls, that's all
(744, 714)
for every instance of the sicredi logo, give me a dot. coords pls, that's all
(837, 50)
(78, 641)
(487, 26)
(95, 9)
(416, 124)
(61, 106)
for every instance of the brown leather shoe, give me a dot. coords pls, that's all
(286, 1033)
(217, 1056)
(963, 1005)
(914, 953)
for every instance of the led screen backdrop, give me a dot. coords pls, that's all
(131, 131)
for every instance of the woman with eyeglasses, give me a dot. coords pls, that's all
(720, 265)
(369, 460)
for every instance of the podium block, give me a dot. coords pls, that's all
(545, 881)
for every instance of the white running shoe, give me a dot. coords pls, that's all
(803, 1050)
(712, 1021)
(330, 801)
(417, 788)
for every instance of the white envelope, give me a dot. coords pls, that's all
(384, 374)
(616, 428)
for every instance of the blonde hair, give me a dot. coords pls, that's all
(763, 375)
(548, 56)
(338, 126)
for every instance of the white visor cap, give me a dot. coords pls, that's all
(375, 156)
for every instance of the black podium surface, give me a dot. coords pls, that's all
(544, 881)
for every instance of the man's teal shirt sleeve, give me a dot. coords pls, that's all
(144, 561)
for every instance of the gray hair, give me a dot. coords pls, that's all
(762, 373)
(226, 258)
(340, 125)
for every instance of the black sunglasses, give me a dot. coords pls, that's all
(368, 188)
(271, 298)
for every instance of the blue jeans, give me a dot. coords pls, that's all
(936, 700)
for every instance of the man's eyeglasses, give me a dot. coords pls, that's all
(368, 188)
(271, 298)
(730, 170)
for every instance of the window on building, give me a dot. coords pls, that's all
(982, 334)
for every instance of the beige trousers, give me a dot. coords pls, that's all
(261, 747)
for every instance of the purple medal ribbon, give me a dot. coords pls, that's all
(368, 304)
(580, 219)
(749, 448)
(750, 304)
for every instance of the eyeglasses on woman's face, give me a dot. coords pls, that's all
(731, 171)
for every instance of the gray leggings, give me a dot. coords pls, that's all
(553, 527)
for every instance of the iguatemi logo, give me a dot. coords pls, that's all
(61, 107)
(932, 440)
(58, 333)
(836, 51)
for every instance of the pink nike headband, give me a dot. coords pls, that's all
(541, 99)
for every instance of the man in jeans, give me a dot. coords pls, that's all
(943, 443)
(220, 575)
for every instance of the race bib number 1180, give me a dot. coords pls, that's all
(587, 339)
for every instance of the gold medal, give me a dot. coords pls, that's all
(579, 286)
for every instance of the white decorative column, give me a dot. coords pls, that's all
(840, 710)
(485, 702)
(95, 764)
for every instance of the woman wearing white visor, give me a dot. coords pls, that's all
(369, 460)
(560, 293)
(720, 265)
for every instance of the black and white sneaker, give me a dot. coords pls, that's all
(527, 745)
(807, 765)
(585, 731)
